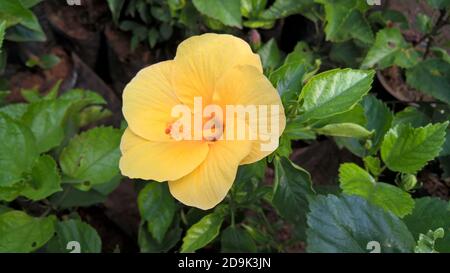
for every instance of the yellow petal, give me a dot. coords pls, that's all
(159, 161)
(245, 85)
(202, 60)
(148, 100)
(207, 185)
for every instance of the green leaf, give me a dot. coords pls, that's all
(148, 244)
(348, 223)
(439, 4)
(386, 17)
(292, 192)
(46, 119)
(157, 206)
(345, 20)
(407, 149)
(74, 230)
(45, 62)
(227, 12)
(390, 48)
(30, 3)
(271, 56)
(17, 151)
(116, 7)
(344, 130)
(334, 92)
(237, 240)
(426, 242)
(289, 77)
(45, 179)
(441, 53)
(430, 214)
(203, 232)
(373, 164)
(411, 115)
(93, 156)
(379, 120)
(431, 77)
(15, 110)
(356, 181)
(424, 23)
(2, 33)
(283, 8)
(23, 233)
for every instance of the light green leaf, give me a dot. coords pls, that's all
(46, 119)
(23, 233)
(334, 92)
(430, 214)
(344, 130)
(407, 149)
(431, 77)
(426, 242)
(157, 207)
(203, 232)
(17, 151)
(227, 12)
(44, 181)
(93, 156)
(373, 164)
(237, 240)
(74, 230)
(14, 110)
(424, 23)
(390, 48)
(347, 224)
(356, 181)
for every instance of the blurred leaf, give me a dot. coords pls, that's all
(373, 164)
(334, 92)
(14, 110)
(45, 61)
(430, 213)
(424, 23)
(237, 240)
(441, 53)
(116, 7)
(431, 77)
(44, 181)
(387, 16)
(157, 207)
(356, 181)
(347, 224)
(227, 12)
(407, 149)
(92, 157)
(74, 230)
(23, 233)
(439, 4)
(426, 242)
(18, 151)
(2, 33)
(30, 3)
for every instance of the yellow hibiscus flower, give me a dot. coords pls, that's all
(220, 69)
